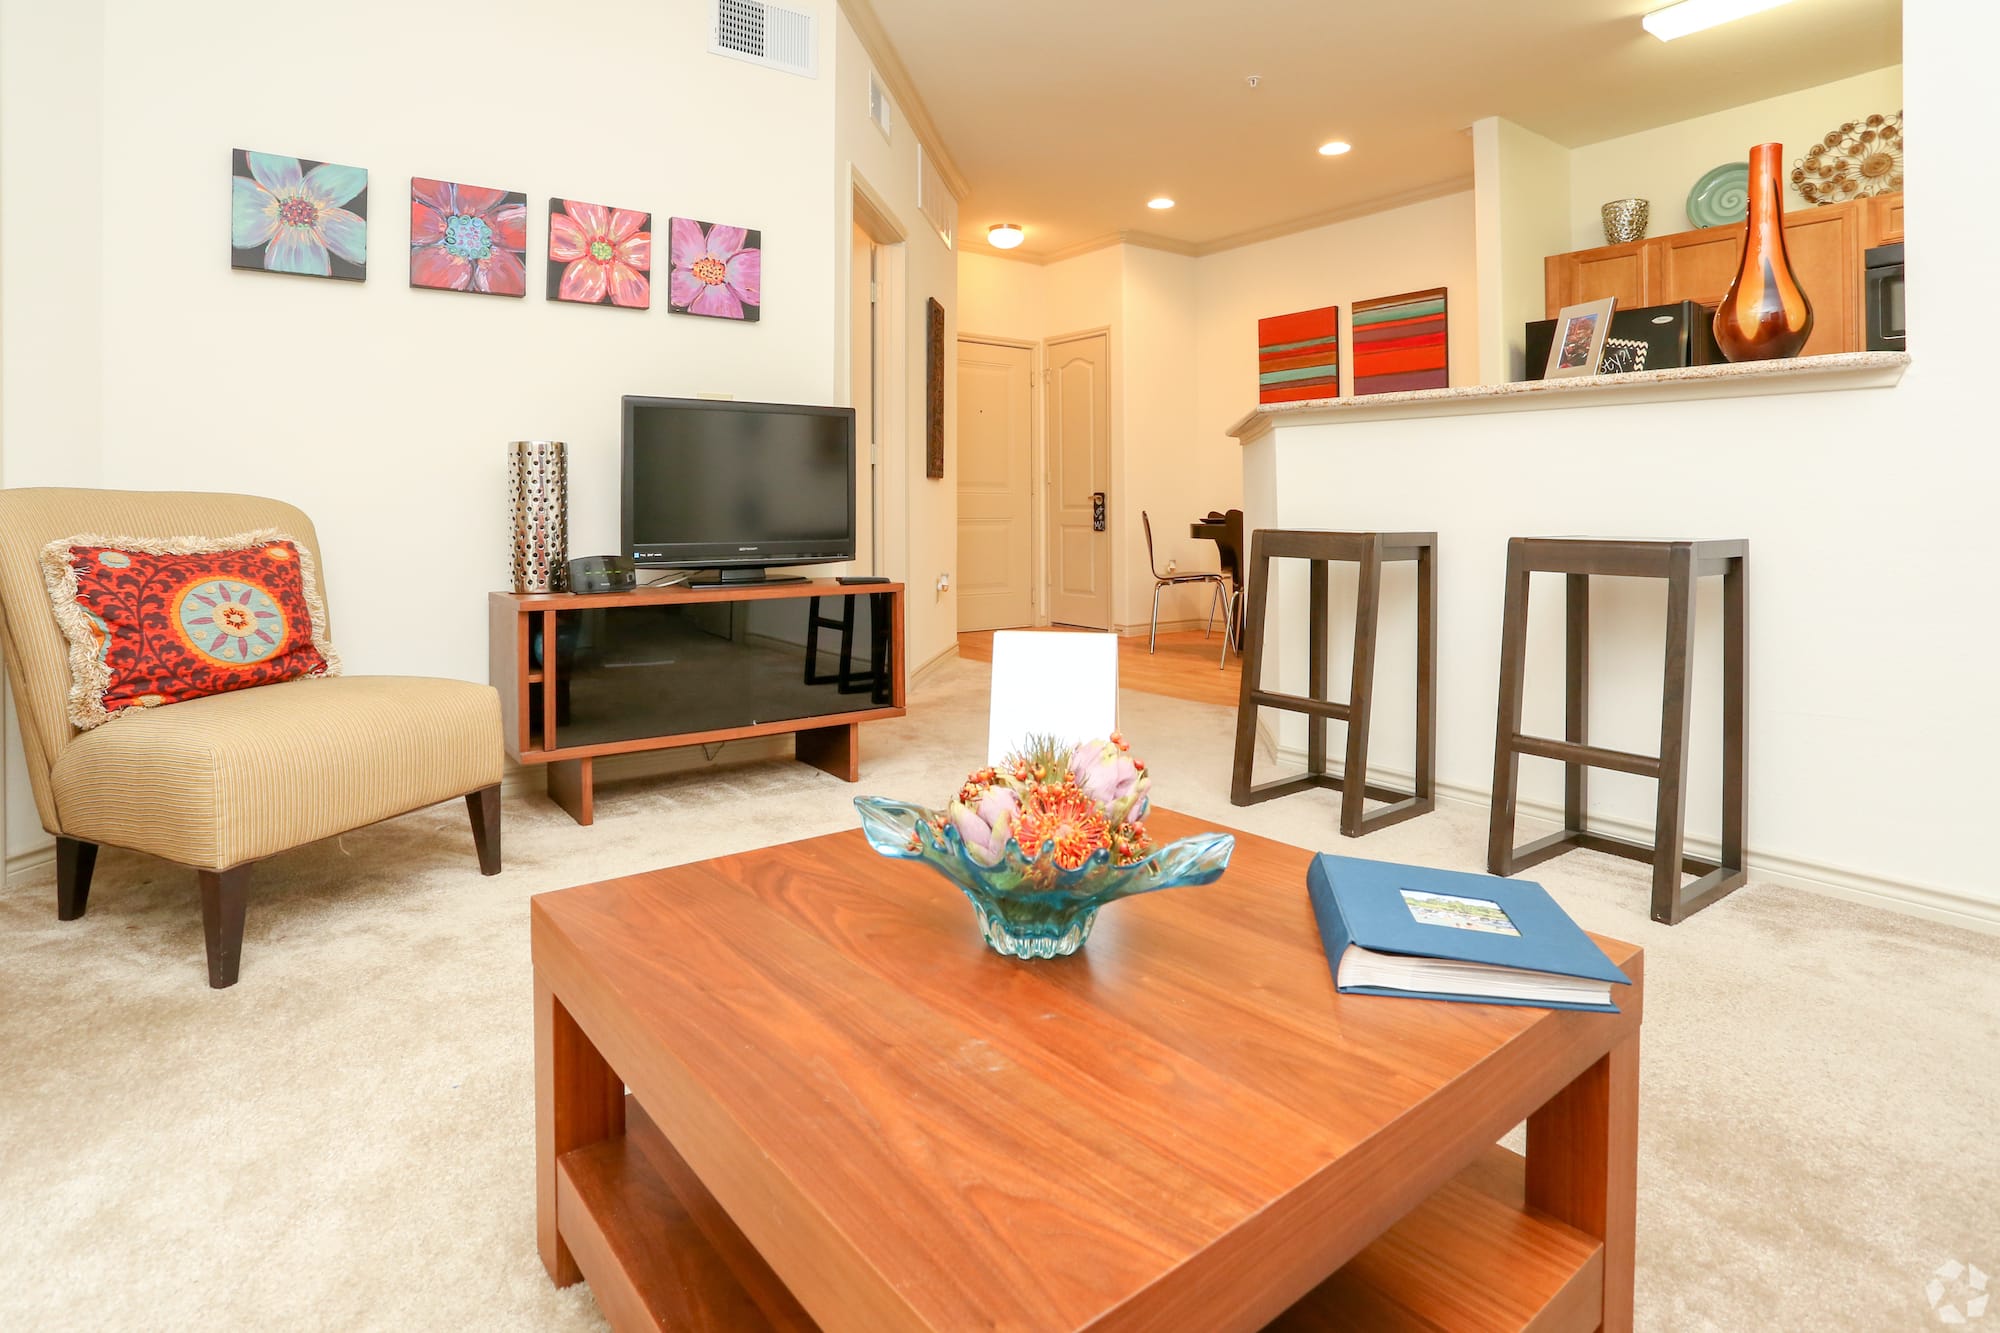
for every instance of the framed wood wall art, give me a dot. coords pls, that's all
(934, 392)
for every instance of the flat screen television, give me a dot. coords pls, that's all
(736, 487)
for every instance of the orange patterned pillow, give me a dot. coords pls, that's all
(153, 622)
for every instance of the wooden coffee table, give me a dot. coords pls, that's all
(845, 1112)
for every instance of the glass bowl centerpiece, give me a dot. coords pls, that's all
(1042, 840)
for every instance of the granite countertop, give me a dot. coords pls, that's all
(1805, 374)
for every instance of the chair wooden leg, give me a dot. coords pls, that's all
(74, 862)
(1361, 692)
(484, 807)
(1576, 707)
(1316, 650)
(1507, 722)
(224, 896)
(1253, 671)
(1676, 698)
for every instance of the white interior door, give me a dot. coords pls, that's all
(996, 487)
(1079, 451)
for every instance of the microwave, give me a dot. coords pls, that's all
(1884, 286)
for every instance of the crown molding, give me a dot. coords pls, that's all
(1196, 249)
(896, 77)
(1346, 213)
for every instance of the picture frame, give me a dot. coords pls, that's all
(1578, 344)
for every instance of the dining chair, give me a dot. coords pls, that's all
(1175, 580)
(1230, 544)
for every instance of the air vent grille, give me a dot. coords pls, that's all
(934, 200)
(878, 105)
(766, 34)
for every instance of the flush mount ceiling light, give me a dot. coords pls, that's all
(1695, 15)
(1004, 235)
(1160, 202)
(1335, 147)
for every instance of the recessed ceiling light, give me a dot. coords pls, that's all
(1004, 235)
(1335, 148)
(1695, 15)
(1161, 202)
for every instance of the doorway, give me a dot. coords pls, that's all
(1078, 434)
(862, 342)
(996, 485)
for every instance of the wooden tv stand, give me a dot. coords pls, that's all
(591, 674)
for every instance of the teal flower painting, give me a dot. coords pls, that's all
(293, 215)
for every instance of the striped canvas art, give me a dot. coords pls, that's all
(1399, 343)
(1298, 356)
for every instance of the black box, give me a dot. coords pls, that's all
(1676, 335)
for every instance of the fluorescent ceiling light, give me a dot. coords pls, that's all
(1335, 148)
(1161, 202)
(1004, 235)
(1695, 15)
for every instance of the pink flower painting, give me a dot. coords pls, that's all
(717, 271)
(599, 255)
(293, 216)
(467, 238)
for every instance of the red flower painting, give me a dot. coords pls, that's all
(467, 238)
(599, 255)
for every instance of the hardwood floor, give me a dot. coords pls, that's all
(1183, 668)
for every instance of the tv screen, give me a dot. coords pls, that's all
(737, 486)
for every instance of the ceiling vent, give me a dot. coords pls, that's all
(764, 34)
(934, 200)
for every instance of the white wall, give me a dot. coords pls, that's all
(1663, 164)
(920, 514)
(1872, 740)
(1422, 245)
(1000, 298)
(1521, 189)
(134, 356)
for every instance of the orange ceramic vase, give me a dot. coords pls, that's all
(1765, 315)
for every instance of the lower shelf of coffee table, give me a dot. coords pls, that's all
(660, 1253)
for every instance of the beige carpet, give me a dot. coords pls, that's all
(344, 1140)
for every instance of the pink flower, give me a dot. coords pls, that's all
(467, 238)
(606, 250)
(986, 827)
(1109, 775)
(715, 271)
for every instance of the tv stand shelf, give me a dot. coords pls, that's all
(592, 674)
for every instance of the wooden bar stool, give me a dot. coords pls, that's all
(1369, 550)
(1680, 564)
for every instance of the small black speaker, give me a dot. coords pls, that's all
(602, 573)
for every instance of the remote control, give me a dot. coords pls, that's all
(861, 578)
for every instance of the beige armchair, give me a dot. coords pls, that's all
(217, 783)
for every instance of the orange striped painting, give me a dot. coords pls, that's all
(1399, 343)
(1298, 356)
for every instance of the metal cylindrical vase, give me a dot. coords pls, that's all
(538, 514)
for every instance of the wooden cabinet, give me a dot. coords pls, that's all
(1826, 247)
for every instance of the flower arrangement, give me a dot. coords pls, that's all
(1074, 802)
(1043, 839)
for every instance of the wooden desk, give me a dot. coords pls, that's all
(845, 1112)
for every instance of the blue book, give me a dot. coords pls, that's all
(1445, 935)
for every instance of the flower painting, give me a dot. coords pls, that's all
(467, 238)
(290, 215)
(599, 255)
(717, 270)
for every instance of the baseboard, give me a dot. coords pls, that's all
(932, 667)
(22, 866)
(1537, 817)
(1144, 628)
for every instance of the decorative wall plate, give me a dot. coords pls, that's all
(1721, 197)
(1863, 157)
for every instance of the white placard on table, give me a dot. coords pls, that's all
(1051, 684)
